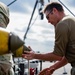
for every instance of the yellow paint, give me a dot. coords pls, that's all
(4, 37)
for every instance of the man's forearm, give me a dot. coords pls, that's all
(47, 57)
(59, 63)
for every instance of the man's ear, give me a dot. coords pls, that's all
(55, 10)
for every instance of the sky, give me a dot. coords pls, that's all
(41, 34)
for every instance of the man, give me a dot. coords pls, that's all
(64, 49)
(6, 60)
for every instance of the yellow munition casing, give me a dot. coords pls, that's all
(9, 42)
(20, 51)
(4, 37)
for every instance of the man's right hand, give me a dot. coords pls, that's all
(29, 55)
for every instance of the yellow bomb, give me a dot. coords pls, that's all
(9, 42)
(20, 51)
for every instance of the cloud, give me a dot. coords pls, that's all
(41, 34)
(69, 2)
(20, 6)
(36, 45)
(68, 6)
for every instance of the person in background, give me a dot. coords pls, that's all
(64, 48)
(6, 60)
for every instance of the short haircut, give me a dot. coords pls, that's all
(52, 5)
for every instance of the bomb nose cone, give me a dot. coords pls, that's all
(15, 42)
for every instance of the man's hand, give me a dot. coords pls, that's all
(29, 55)
(47, 71)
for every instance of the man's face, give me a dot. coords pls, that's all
(51, 16)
